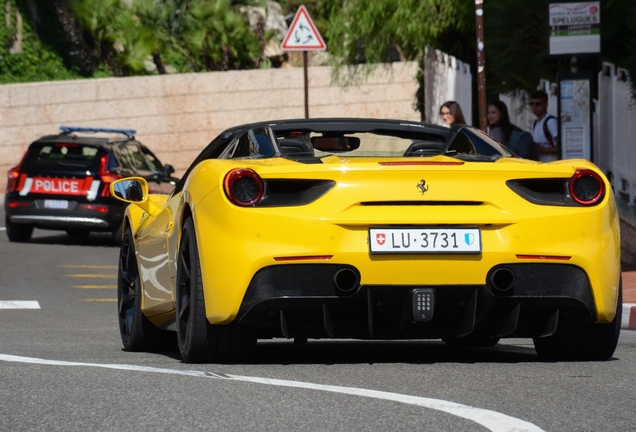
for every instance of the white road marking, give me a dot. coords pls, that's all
(492, 420)
(19, 304)
(3, 228)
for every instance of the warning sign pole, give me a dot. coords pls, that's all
(303, 36)
(306, 84)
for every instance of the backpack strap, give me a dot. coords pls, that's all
(546, 130)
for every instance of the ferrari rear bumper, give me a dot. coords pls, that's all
(327, 300)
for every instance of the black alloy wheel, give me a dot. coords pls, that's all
(137, 332)
(583, 341)
(198, 340)
(18, 233)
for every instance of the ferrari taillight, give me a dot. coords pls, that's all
(587, 187)
(244, 187)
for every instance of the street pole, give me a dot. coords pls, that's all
(481, 65)
(306, 84)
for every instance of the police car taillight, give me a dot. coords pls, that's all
(244, 187)
(587, 187)
(13, 179)
(105, 176)
(14, 175)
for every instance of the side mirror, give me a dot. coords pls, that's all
(131, 189)
(168, 169)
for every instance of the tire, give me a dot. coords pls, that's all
(468, 342)
(78, 233)
(137, 332)
(117, 233)
(580, 342)
(18, 233)
(198, 340)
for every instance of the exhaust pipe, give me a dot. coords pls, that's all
(346, 281)
(502, 279)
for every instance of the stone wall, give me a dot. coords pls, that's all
(178, 115)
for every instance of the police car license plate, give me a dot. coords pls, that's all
(424, 240)
(56, 204)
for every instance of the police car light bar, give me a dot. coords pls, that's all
(69, 129)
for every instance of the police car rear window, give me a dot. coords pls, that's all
(64, 155)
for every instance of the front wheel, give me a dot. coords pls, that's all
(137, 332)
(580, 342)
(198, 340)
(18, 233)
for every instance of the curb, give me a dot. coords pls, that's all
(629, 316)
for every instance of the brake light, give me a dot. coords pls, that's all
(587, 187)
(244, 187)
(105, 176)
(14, 174)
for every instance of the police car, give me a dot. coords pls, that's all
(62, 182)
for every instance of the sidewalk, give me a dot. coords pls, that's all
(629, 297)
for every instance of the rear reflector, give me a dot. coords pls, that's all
(93, 207)
(304, 258)
(545, 257)
(15, 204)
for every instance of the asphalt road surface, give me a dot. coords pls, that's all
(62, 367)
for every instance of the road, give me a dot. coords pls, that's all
(62, 368)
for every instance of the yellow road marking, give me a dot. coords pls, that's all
(100, 300)
(96, 286)
(102, 276)
(87, 266)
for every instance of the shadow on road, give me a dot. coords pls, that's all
(369, 352)
(61, 238)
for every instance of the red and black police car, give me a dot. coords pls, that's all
(62, 182)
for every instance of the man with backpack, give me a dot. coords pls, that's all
(545, 131)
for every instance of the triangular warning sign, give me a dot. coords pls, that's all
(303, 34)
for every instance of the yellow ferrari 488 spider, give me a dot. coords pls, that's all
(370, 229)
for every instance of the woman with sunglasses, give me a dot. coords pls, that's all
(451, 113)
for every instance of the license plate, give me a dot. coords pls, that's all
(424, 240)
(56, 204)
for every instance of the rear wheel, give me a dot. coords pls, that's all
(117, 234)
(198, 340)
(18, 232)
(137, 332)
(575, 341)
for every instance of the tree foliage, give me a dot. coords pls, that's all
(64, 39)
(35, 61)
(363, 32)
